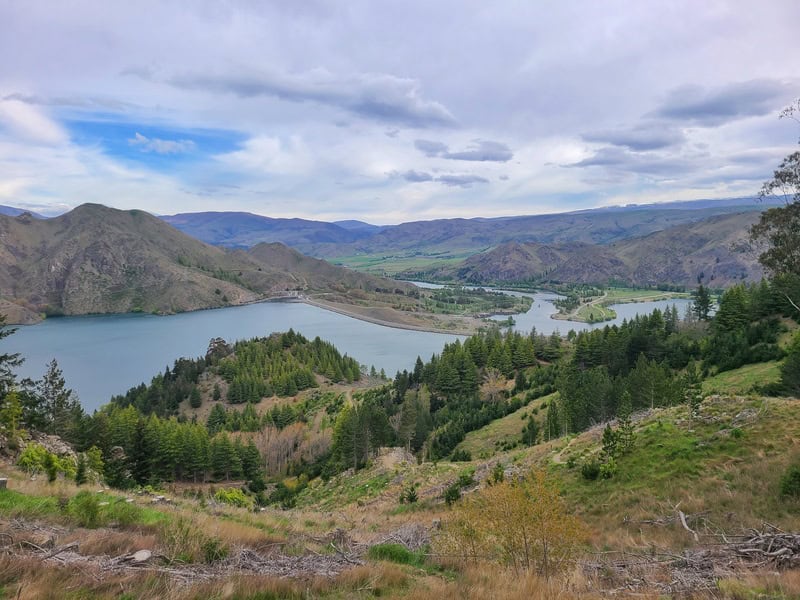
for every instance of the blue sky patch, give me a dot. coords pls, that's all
(155, 146)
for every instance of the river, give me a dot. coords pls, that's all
(106, 355)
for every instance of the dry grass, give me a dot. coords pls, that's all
(487, 581)
(106, 542)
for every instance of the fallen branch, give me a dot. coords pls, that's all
(682, 517)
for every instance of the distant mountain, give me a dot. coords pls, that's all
(360, 226)
(243, 230)
(96, 259)
(444, 237)
(714, 251)
(12, 211)
(599, 226)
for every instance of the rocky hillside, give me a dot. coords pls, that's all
(96, 259)
(715, 250)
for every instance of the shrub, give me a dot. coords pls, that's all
(590, 470)
(85, 509)
(32, 459)
(524, 524)
(608, 469)
(790, 482)
(409, 494)
(498, 473)
(452, 494)
(466, 479)
(460, 456)
(234, 497)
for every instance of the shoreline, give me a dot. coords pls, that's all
(340, 309)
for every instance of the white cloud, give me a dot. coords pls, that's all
(160, 146)
(31, 124)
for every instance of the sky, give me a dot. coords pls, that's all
(389, 111)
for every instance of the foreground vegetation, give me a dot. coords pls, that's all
(269, 458)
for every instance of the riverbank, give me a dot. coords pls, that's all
(390, 317)
(597, 310)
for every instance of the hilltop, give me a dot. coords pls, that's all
(714, 251)
(96, 259)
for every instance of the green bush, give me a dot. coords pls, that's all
(452, 494)
(466, 478)
(460, 456)
(590, 470)
(790, 482)
(409, 494)
(37, 459)
(84, 508)
(234, 497)
(608, 469)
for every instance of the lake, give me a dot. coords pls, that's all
(106, 355)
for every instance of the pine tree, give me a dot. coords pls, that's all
(702, 303)
(195, 401)
(11, 413)
(80, 470)
(58, 400)
(610, 443)
(530, 433)
(693, 393)
(552, 421)
(625, 433)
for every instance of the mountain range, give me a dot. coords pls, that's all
(714, 251)
(96, 259)
(445, 238)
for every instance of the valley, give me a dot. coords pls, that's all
(402, 301)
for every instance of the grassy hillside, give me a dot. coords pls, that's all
(722, 470)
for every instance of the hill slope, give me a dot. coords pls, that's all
(101, 260)
(714, 250)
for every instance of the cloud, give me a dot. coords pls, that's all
(451, 180)
(711, 107)
(479, 151)
(90, 103)
(646, 136)
(649, 163)
(375, 96)
(159, 146)
(31, 124)
(460, 180)
(483, 151)
(430, 148)
(416, 176)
